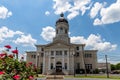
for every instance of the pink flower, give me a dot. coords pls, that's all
(1, 72)
(8, 46)
(2, 55)
(30, 63)
(16, 77)
(15, 51)
(31, 78)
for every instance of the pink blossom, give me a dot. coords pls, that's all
(1, 72)
(31, 78)
(16, 77)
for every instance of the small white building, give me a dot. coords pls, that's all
(102, 67)
(61, 56)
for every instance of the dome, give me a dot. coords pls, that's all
(61, 19)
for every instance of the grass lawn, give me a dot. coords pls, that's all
(41, 76)
(116, 77)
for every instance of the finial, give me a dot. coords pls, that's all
(62, 15)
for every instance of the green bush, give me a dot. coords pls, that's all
(12, 69)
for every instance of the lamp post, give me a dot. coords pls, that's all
(74, 62)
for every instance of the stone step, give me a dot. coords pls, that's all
(54, 77)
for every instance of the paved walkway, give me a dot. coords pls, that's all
(77, 79)
(61, 77)
(87, 79)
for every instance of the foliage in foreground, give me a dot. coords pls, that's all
(12, 69)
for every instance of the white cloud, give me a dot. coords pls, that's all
(7, 33)
(61, 6)
(94, 42)
(110, 14)
(73, 9)
(72, 15)
(2, 49)
(95, 9)
(48, 33)
(97, 22)
(25, 40)
(4, 13)
(47, 13)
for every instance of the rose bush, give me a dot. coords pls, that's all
(13, 69)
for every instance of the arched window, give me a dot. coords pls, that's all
(56, 31)
(61, 30)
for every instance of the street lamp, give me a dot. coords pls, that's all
(74, 62)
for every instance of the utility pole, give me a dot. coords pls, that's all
(16, 53)
(107, 67)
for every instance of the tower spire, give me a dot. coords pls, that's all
(62, 15)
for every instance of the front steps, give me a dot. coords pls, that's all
(54, 77)
(58, 73)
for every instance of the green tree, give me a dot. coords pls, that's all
(118, 66)
(113, 67)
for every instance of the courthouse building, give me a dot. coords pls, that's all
(62, 56)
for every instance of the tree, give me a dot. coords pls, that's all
(118, 66)
(113, 67)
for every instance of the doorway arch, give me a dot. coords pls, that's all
(58, 66)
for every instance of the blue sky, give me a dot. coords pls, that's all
(96, 23)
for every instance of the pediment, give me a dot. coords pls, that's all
(58, 44)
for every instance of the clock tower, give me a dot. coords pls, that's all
(62, 29)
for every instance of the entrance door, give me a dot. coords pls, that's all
(58, 67)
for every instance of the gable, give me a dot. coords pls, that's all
(57, 45)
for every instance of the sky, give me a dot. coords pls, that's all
(96, 23)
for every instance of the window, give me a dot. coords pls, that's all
(51, 65)
(65, 31)
(61, 30)
(77, 54)
(42, 49)
(31, 56)
(34, 56)
(88, 55)
(52, 53)
(78, 65)
(42, 54)
(77, 48)
(58, 53)
(65, 65)
(57, 31)
(65, 53)
(88, 66)
(41, 65)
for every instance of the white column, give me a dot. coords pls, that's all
(49, 64)
(73, 62)
(44, 62)
(36, 58)
(54, 58)
(68, 59)
(63, 64)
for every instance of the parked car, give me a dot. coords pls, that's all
(115, 72)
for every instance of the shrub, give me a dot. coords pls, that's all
(13, 69)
